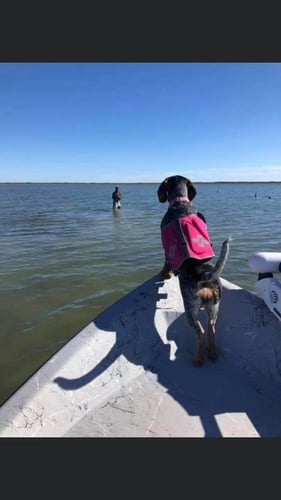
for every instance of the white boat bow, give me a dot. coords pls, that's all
(129, 373)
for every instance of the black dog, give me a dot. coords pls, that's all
(173, 189)
(188, 249)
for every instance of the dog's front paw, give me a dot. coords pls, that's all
(166, 272)
(166, 275)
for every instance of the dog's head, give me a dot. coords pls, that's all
(176, 185)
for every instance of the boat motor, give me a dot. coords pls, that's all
(268, 287)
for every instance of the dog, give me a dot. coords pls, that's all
(188, 250)
(171, 189)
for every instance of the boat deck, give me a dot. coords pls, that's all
(129, 373)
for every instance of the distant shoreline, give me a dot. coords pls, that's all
(136, 183)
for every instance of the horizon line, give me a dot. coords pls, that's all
(135, 182)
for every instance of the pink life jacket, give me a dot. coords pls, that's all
(184, 238)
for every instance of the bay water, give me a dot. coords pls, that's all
(65, 255)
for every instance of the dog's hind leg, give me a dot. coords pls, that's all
(212, 313)
(192, 305)
(212, 351)
(200, 355)
(199, 358)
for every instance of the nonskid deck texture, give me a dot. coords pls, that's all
(130, 373)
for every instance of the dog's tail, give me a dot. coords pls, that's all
(214, 274)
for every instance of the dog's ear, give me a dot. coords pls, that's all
(162, 191)
(191, 190)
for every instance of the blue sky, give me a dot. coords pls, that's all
(140, 122)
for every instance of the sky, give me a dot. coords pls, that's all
(140, 122)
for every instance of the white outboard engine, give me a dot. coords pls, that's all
(268, 288)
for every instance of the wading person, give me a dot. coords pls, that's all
(116, 197)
